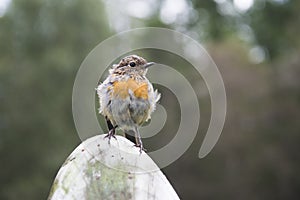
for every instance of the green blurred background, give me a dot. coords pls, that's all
(255, 44)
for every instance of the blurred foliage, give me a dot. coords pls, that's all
(274, 23)
(42, 44)
(275, 26)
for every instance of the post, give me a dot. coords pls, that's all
(99, 170)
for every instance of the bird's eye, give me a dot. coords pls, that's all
(132, 64)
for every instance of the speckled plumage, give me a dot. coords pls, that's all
(126, 97)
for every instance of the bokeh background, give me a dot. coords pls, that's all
(255, 44)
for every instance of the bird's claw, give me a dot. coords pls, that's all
(141, 148)
(109, 135)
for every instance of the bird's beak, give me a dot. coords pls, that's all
(148, 64)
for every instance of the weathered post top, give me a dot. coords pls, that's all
(99, 170)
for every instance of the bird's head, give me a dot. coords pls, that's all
(132, 65)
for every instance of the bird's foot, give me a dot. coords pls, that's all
(141, 148)
(110, 134)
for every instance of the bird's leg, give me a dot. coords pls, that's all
(111, 130)
(111, 133)
(138, 140)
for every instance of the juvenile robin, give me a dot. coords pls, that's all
(127, 98)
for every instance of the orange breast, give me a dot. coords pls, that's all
(140, 90)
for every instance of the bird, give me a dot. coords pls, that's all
(127, 98)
